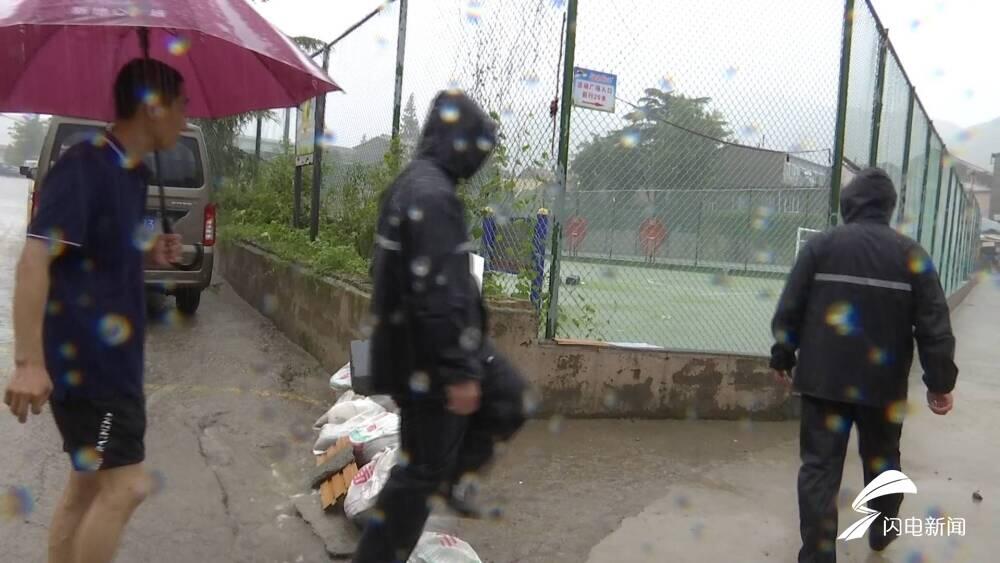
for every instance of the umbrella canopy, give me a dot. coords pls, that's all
(61, 56)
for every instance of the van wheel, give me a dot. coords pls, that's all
(188, 300)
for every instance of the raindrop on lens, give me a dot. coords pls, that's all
(368, 325)
(157, 482)
(531, 79)
(16, 503)
(115, 329)
(556, 423)
(269, 304)
(611, 399)
(178, 46)
(394, 220)
(473, 12)
(667, 84)
(420, 382)
(86, 459)
(301, 431)
(460, 145)
(484, 144)
(629, 139)
(441, 279)
(731, 72)
(415, 214)
(420, 266)
(449, 113)
(470, 339)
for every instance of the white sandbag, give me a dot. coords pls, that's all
(376, 426)
(365, 453)
(360, 428)
(341, 379)
(366, 486)
(442, 548)
(343, 411)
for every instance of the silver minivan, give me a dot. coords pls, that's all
(186, 179)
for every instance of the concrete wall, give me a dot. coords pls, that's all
(573, 378)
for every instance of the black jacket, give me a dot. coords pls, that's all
(429, 316)
(854, 302)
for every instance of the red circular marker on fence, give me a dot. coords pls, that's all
(652, 234)
(576, 231)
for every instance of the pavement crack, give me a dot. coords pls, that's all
(213, 461)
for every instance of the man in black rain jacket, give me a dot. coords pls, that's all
(457, 396)
(855, 301)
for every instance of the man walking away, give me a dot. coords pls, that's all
(855, 300)
(457, 396)
(79, 311)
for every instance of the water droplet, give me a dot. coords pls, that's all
(556, 423)
(473, 12)
(558, 3)
(267, 413)
(394, 220)
(16, 502)
(268, 304)
(721, 279)
(279, 451)
(420, 382)
(682, 501)
(842, 317)
(178, 46)
(920, 263)
(837, 423)
(460, 145)
(667, 83)
(441, 279)
(73, 378)
(381, 41)
(368, 325)
(157, 482)
(415, 214)
(450, 113)
(53, 308)
(301, 431)
(764, 257)
(767, 294)
(896, 411)
(914, 24)
(611, 399)
(484, 144)
(852, 393)
(629, 139)
(420, 266)
(87, 459)
(68, 351)
(471, 339)
(144, 238)
(531, 79)
(731, 72)
(749, 131)
(54, 238)
(878, 356)
(530, 402)
(115, 330)
(328, 138)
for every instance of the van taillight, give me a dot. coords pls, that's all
(209, 237)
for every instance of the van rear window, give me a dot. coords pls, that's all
(182, 165)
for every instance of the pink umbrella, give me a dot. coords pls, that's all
(61, 56)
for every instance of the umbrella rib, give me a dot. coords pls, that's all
(201, 84)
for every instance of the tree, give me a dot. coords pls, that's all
(671, 141)
(409, 130)
(27, 137)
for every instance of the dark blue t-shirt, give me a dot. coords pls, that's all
(91, 212)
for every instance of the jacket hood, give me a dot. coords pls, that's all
(869, 197)
(458, 136)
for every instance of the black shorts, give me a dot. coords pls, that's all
(102, 434)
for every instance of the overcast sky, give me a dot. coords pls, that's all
(770, 66)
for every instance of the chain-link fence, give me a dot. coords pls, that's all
(674, 214)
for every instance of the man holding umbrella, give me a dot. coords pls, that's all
(79, 311)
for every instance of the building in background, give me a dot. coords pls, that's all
(979, 182)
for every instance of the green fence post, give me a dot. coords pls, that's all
(397, 100)
(946, 237)
(877, 100)
(563, 164)
(923, 193)
(937, 200)
(906, 157)
(841, 127)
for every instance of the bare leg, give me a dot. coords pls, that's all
(75, 502)
(120, 491)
